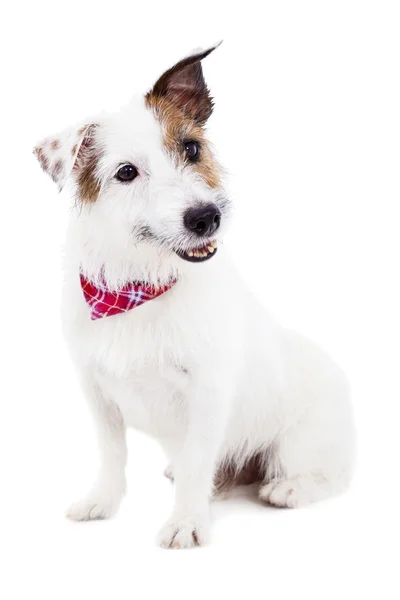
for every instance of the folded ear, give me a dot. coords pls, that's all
(61, 154)
(184, 85)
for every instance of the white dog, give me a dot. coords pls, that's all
(231, 397)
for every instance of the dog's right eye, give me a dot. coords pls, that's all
(126, 173)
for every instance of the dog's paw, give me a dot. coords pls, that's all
(94, 506)
(286, 493)
(184, 533)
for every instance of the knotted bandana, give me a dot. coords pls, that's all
(106, 303)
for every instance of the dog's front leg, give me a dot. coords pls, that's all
(105, 496)
(194, 467)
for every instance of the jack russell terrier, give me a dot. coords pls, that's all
(166, 338)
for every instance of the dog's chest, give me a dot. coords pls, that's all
(151, 399)
(139, 360)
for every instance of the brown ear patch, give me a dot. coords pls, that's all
(184, 85)
(42, 158)
(55, 145)
(88, 182)
(181, 102)
(57, 169)
(86, 166)
(72, 151)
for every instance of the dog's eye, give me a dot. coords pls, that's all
(126, 173)
(192, 150)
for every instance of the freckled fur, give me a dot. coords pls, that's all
(42, 158)
(58, 167)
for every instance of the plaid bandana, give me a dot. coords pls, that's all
(106, 303)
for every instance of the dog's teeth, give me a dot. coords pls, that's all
(202, 252)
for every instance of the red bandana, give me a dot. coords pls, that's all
(106, 303)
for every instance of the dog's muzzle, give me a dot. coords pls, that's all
(202, 222)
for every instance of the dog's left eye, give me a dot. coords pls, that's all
(192, 150)
(126, 173)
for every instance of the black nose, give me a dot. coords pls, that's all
(202, 221)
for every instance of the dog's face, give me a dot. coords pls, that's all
(146, 176)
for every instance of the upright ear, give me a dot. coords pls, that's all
(184, 86)
(61, 154)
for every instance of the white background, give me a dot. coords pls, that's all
(307, 123)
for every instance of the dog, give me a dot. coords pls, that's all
(164, 335)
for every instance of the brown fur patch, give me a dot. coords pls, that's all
(228, 476)
(74, 149)
(88, 183)
(178, 128)
(55, 145)
(56, 170)
(58, 167)
(184, 85)
(86, 164)
(42, 158)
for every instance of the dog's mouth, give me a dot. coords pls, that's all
(198, 254)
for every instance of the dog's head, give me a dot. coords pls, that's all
(146, 177)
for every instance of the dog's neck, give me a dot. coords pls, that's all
(117, 262)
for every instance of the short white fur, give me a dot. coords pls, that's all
(202, 368)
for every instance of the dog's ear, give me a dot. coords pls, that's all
(64, 153)
(184, 85)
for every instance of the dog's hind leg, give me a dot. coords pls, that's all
(105, 497)
(316, 447)
(315, 462)
(297, 491)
